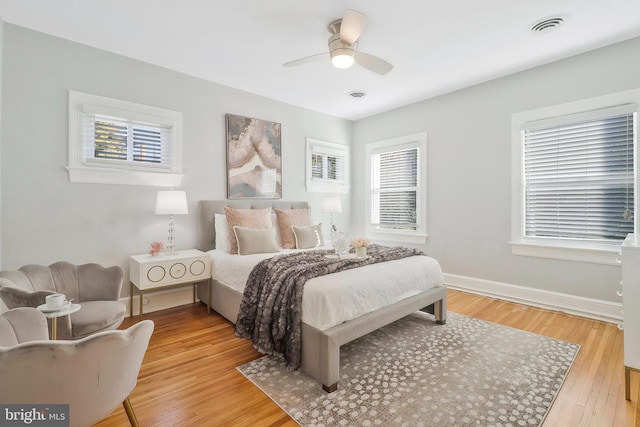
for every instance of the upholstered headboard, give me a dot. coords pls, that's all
(208, 208)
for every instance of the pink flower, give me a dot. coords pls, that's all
(360, 242)
(155, 248)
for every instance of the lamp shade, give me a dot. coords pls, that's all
(171, 203)
(332, 205)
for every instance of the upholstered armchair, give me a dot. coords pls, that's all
(94, 287)
(93, 375)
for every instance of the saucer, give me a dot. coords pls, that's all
(46, 309)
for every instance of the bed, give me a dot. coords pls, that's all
(322, 337)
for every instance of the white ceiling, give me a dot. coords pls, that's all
(435, 46)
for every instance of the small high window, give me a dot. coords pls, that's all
(327, 167)
(119, 142)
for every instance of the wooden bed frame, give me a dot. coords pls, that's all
(320, 348)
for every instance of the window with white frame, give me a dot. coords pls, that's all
(577, 179)
(119, 142)
(396, 197)
(327, 167)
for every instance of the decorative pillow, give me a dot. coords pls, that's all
(255, 240)
(223, 241)
(250, 218)
(309, 236)
(288, 218)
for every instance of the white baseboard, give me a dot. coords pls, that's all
(605, 311)
(160, 300)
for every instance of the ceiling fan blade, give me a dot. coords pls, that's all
(373, 63)
(352, 26)
(305, 59)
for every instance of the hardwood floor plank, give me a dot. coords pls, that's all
(188, 376)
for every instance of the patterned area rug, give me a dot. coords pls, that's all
(413, 372)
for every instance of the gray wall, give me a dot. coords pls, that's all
(46, 218)
(469, 176)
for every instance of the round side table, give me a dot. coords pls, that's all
(53, 314)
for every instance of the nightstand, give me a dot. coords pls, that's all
(149, 273)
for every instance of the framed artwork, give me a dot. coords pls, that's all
(254, 166)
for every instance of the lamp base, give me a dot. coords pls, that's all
(171, 247)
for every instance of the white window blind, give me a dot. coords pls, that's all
(395, 178)
(125, 143)
(327, 166)
(579, 176)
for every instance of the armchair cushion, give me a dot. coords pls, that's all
(96, 316)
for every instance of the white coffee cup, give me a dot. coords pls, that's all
(56, 300)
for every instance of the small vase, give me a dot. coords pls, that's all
(361, 252)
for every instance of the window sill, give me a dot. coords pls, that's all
(593, 254)
(94, 175)
(416, 239)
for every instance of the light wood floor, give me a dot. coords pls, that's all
(188, 377)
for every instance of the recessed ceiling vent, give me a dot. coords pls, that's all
(357, 94)
(546, 25)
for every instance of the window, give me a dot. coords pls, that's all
(119, 142)
(396, 205)
(327, 167)
(577, 180)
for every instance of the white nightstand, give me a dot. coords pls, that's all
(149, 273)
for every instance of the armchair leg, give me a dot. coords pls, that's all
(130, 414)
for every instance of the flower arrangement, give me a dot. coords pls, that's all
(155, 248)
(359, 242)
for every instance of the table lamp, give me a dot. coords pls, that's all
(171, 203)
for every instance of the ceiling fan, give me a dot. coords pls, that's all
(343, 46)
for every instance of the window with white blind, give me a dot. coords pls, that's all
(119, 142)
(578, 180)
(327, 167)
(397, 189)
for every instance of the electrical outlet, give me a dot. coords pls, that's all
(145, 300)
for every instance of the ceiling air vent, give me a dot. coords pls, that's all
(547, 24)
(357, 94)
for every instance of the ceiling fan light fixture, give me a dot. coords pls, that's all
(342, 55)
(343, 46)
(344, 59)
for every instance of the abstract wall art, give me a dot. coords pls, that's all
(254, 166)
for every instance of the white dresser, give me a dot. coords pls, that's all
(631, 308)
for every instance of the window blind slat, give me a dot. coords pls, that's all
(395, 178)
(113, 138)
(325, 166)
(579, 179)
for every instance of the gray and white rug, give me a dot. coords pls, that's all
(415, 373)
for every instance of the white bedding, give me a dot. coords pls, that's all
(336, 298)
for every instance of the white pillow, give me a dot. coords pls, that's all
(309, 236)
(223, 239)
(255, 240)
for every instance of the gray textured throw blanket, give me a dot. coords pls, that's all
(271, 310)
